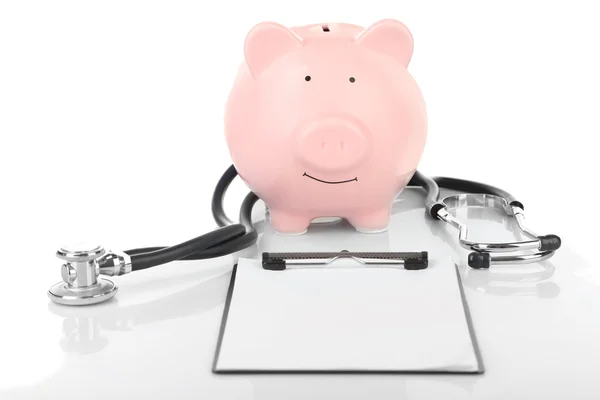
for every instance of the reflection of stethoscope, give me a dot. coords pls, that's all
(84, 333)
(81, 285)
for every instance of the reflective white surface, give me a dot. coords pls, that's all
(538, 327)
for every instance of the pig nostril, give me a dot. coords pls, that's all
(342, 145)
(323, 145)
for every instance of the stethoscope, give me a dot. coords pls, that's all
(81, 284)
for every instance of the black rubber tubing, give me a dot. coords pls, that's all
(432, 192)
(228, 239)
(200, 243)
(233, 237)
(219, 195)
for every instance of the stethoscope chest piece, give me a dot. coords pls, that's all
(81, 284)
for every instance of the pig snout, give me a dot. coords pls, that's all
(332, 144)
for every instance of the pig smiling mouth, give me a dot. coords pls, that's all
(329, 182)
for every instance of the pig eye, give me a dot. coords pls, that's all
(307, 78)
(352, 79)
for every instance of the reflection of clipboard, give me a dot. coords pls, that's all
(343, 320)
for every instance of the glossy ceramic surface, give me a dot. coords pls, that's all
(326, 120)
(538, 327)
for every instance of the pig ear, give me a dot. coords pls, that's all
(265, 43)
(390, 37)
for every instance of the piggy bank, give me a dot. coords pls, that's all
(325, 120)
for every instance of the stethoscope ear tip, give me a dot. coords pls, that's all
(549, 242)
(479, 260)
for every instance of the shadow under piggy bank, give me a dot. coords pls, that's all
(333, 236)
(408, 231)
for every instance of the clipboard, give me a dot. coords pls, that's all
(346, 320)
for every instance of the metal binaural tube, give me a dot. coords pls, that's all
(521, 258)
(520, 217)
(485, 200)
(483, 255)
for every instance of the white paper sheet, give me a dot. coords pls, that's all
(346, 320)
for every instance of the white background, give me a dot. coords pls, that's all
(111, 113)
(111, 119)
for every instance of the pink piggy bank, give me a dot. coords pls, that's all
(325, 121)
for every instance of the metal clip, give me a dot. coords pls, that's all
(282, 261)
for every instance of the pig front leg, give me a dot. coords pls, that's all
(285, 223)
(372, 221)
